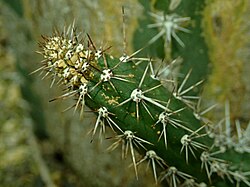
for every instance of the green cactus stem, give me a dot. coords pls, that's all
(160, 124)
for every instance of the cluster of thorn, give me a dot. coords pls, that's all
(224, 138)
(222, 168)
(168, 25)
(72, 61)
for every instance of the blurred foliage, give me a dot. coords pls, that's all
(16, 5)
(227, 34)
(15, 164)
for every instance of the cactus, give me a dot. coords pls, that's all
(162, 124)
(184, 38)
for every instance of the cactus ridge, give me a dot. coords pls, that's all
(161, 124)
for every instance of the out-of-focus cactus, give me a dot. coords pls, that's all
(174, 29)
(226, 27)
